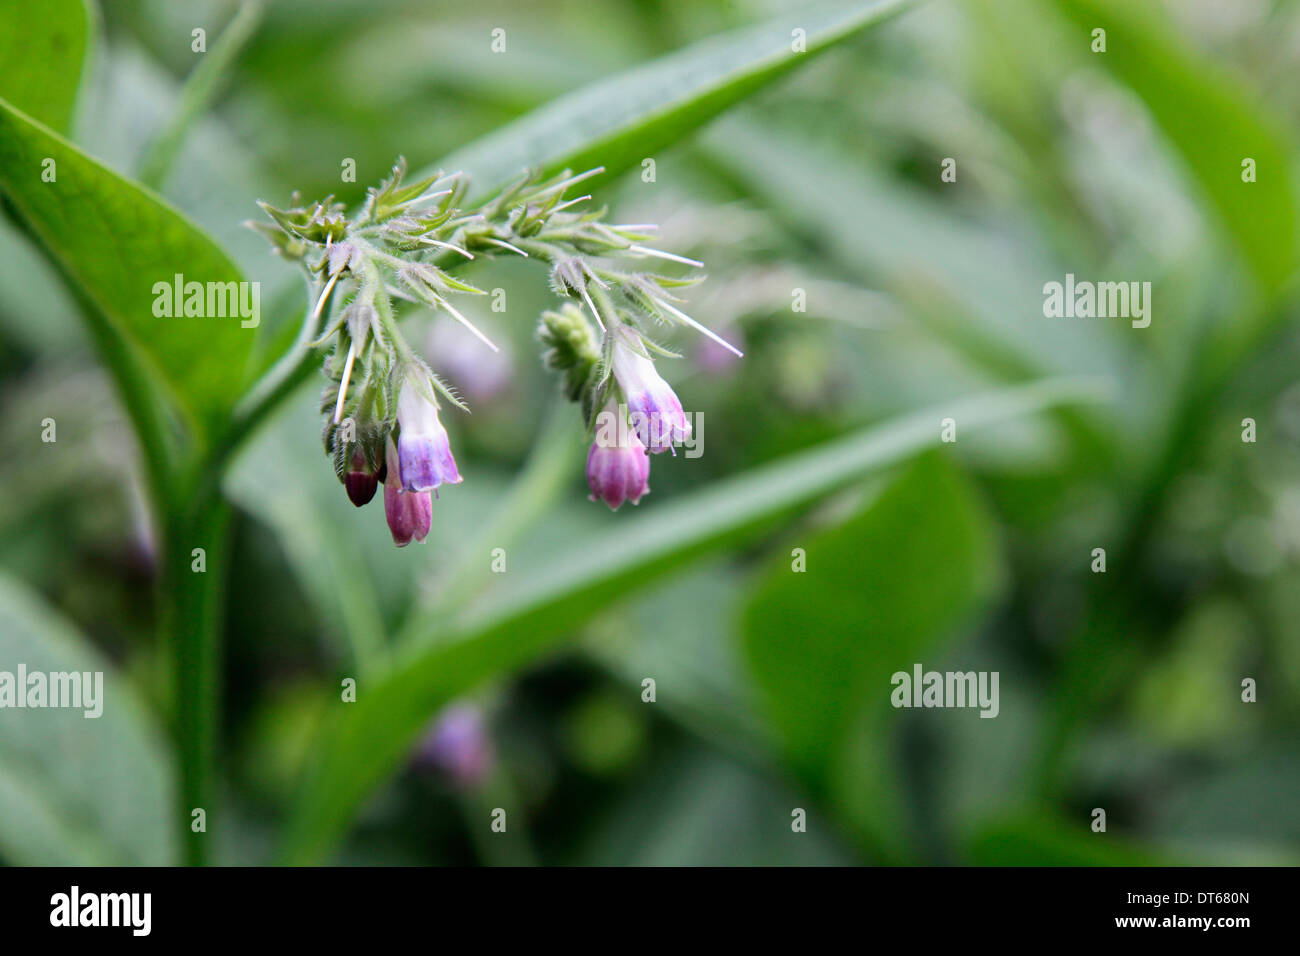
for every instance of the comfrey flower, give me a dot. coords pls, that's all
(423, 451)
(618, 467)
(409, 513)
(654, 410)
(403, 245)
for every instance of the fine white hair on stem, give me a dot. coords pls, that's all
(445, 245)
(505, 245)
(320, 303)
(425, 197)
(699, 328)
(467, 323)
(592, 305)
(660, 254)
(343, 383)
(571, 202)
(573, 180)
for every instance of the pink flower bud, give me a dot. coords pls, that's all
(409, 513)
(618, 472)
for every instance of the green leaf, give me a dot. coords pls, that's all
(77, 790)
(509, 628)
(973, 284)
(617, 122)
(113, 241)
(700, 809)
(1241, 813)
(42, 53)
(1042, 839)
(877, 595)
(1213, 120)
(682, 631)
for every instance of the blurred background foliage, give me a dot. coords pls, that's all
(1120, 690)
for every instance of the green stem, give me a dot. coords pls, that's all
(191, 601)
(200, 88)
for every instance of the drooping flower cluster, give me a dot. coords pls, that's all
(382, 400)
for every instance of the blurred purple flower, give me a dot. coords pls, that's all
(715, 359)
(458, 745)
(480, 373)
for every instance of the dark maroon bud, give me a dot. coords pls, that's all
(360, 481)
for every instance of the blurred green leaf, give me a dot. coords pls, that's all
(42, 53)
(1239, 812)
(978, 285)
(680, 631)
(1213, 120)
(619, 121)
(540, 608)
(74, 790)
(113, 240)
(879, 593)
(1034, 839)
(698, 809)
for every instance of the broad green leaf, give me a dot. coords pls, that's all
(511, 627)
(114, 240)
(877, 595)
(1213, 120)
(126, 108)
(617, 122)
(77, 790)
(43, 48)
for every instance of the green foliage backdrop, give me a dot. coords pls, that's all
(797, 149)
